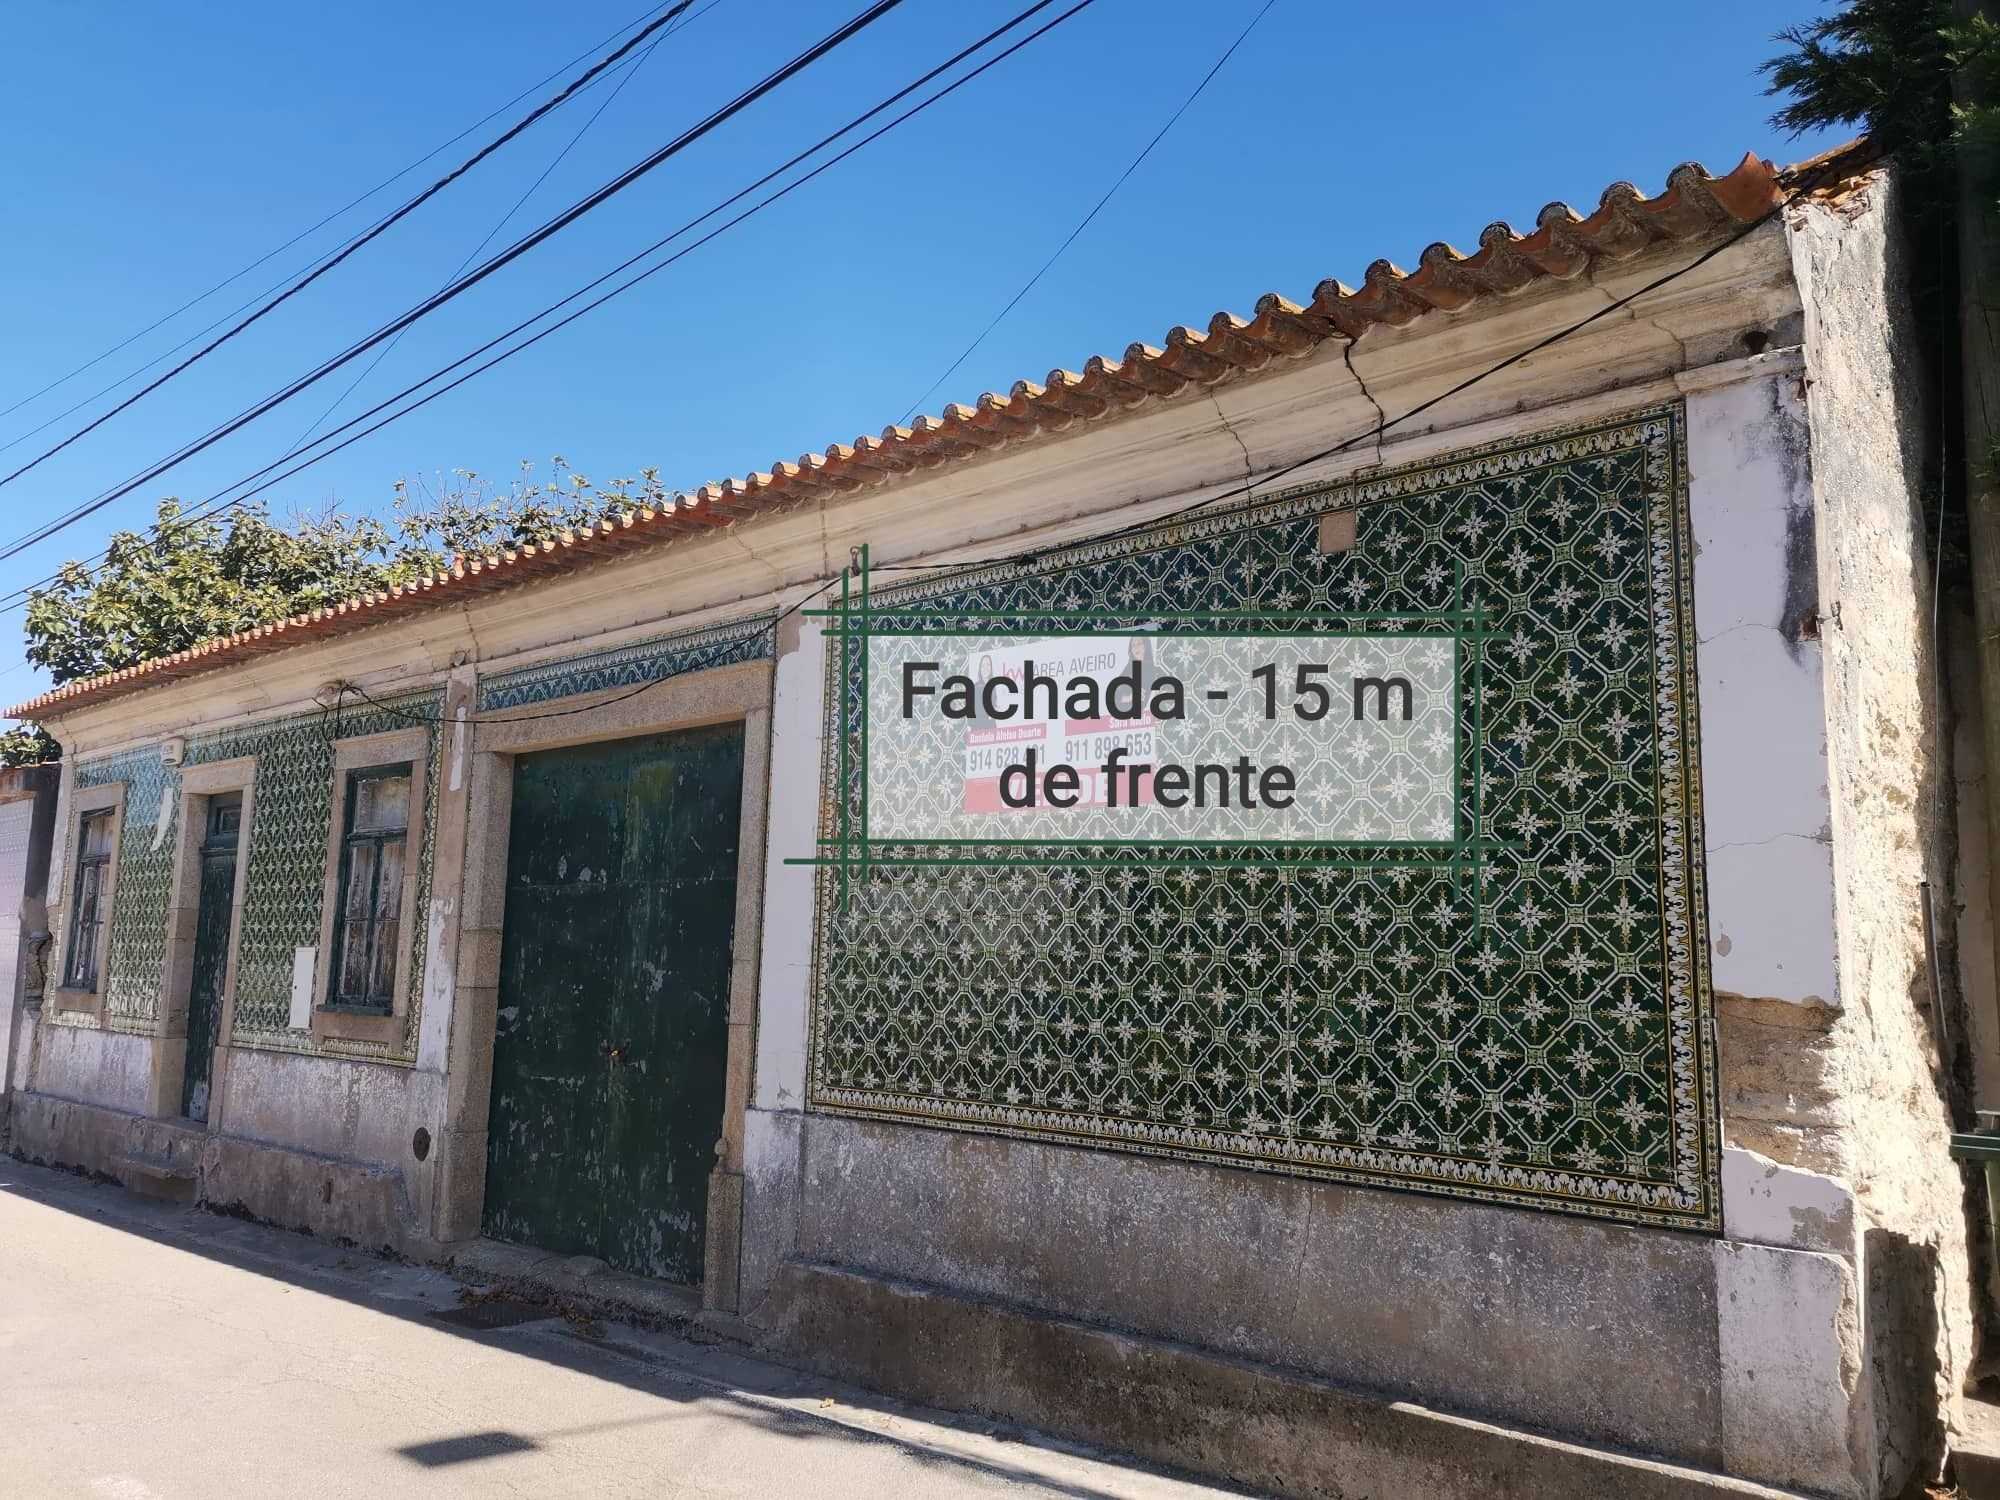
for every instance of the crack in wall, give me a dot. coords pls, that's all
(1381, 416)
(1810, 838)
(778, 579)
(471, 631)
(1305, 1249)
(1723, 635)
(1680, 345)
(1249, 470)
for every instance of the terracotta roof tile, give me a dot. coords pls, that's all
(1563, 244)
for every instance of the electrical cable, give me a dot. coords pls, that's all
(632, 72)
(334, 260)
(684, 251)
(1085, 222)
(521, 247)
(279, 285)
(349, 206)
(210, 507)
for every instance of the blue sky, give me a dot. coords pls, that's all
(154, 150)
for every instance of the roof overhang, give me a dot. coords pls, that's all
(1695, 208)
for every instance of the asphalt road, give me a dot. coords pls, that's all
(154, 1353)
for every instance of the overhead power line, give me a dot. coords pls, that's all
(464, 283)
(631, 72)
(952, 568)
(381, 227)
(947, 570)
(282, 281)
(1097, 208)
(308, 231)
(261, 483)
(1029, 555)
(240, 492)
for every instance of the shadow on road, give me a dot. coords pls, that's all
(774, 1399)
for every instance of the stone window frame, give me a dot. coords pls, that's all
(106, 796)
(198, 785)
(739, 693)
(332, 1022)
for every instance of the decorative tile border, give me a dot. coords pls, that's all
(628, 666)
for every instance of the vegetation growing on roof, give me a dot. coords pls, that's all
(188, 578)
(1883, 64)
(1925, 85)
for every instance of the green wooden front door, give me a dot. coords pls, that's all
(215, 906)
(612, 1032)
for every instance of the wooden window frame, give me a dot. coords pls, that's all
(377, 841)
(332, 1021)
(108, 797)
(86, 898)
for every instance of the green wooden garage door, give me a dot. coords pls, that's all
(608, 1054)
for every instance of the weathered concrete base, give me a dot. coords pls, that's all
(1246, 1423)
(1524, 1319)
(321, 1195)
(582, 1282)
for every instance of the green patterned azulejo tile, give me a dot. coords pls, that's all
(628, 666)
(284, 886)
(288, 842)
(1539, 1034)
(136, 955)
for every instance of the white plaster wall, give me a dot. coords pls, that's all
(109, 1068)
(1768, 1203)
(357, 1111)
(785, 969)
(772, 1133)
(440, 988)
(1763, 716)
(16, 821)
(1787, 1309)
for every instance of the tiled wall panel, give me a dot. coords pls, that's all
(1540, 1035)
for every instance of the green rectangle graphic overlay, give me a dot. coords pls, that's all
(1514, 1007)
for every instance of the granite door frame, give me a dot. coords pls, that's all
(738, 693)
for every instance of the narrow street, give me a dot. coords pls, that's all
(149, 1352)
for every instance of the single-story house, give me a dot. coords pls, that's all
(1595, 1146)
